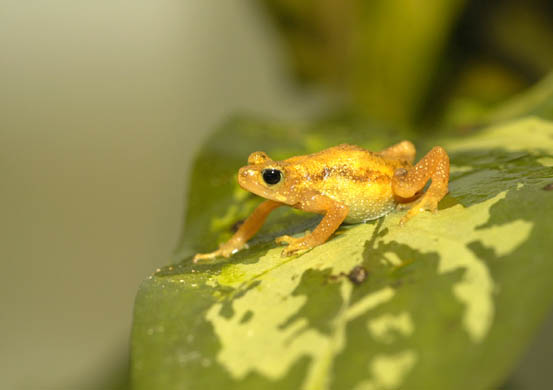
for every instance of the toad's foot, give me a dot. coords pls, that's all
(426, 203)
(225, 250)
(207, 256)
(294, 244)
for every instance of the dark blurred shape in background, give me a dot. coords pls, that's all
(414, 61)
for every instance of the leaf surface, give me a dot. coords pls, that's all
(450, 301)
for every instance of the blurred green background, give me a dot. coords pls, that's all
(103, 105)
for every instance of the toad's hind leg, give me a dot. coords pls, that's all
(407, 182)
(404, 151)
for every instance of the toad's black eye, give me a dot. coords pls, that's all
(271, 176)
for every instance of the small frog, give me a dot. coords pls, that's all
(346, 183)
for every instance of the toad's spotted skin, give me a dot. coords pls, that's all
(346, 183)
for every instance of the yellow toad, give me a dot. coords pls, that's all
(346, 183)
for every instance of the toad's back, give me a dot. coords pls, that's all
(351, 175)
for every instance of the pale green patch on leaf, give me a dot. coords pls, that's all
(450, 301)
(388, 370)
(382, 327)
(546, 161)
(530, 134)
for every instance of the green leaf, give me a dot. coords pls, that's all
(450, 301)
(464, 111)
(537, 101)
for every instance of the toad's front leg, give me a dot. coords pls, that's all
(334, 214)
(246, 231)
(407, 182)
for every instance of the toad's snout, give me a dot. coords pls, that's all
(245, 175)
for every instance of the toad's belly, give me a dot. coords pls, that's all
(365, 202)
(367, 210)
